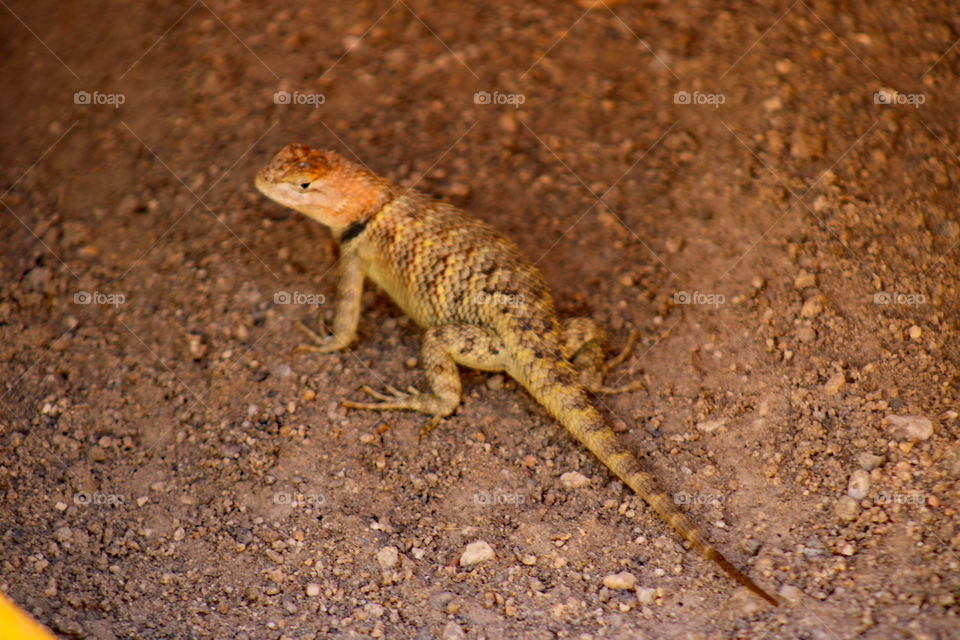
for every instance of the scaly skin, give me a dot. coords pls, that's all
(482, 303)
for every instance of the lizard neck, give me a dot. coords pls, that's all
(365, 213)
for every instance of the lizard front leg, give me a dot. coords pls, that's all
(346, 314)
(444, 347)
(584, 342)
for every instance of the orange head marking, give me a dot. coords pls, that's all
(322, 185)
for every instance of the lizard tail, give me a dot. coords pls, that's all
(570, 405)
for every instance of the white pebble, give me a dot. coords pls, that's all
(573, 480)
(453, 631)
(476, 552)
(646, 595)
(859, 484)
(910, 427)
(388, 558)
(313, 589)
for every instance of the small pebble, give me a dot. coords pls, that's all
(458, 190)
(388, 558)
(477, 552)
(313, 590)
(63, 534)
(870, 461)
(573, 480)
(805, 280)
(836, 382)
(495, 383)
(847, 508)
(196, 345)
(790, 593)
(910, 427)
(453, 631)
(622, 580)
(915, 333)
(441, 599)
(709, 426)
(812, 307)
(529, 559)
(859, 484)
(646, 595)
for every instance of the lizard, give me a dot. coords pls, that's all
(482, 304)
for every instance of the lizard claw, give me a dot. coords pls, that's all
(376, 394)
(430, 426)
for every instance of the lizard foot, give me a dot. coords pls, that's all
(410, 400)
(318, 343)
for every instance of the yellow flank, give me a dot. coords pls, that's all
(16, 623)
(481, 302)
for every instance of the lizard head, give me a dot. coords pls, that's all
(322, 185)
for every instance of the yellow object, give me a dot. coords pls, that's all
(15, 624)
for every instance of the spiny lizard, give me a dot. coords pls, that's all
(482, 303)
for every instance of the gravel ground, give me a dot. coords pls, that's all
(767, 193)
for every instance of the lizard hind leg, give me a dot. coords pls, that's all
(584, 342)
(444, 347)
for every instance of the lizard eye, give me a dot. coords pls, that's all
(305, 185)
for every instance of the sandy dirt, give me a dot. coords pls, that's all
(768, 194)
